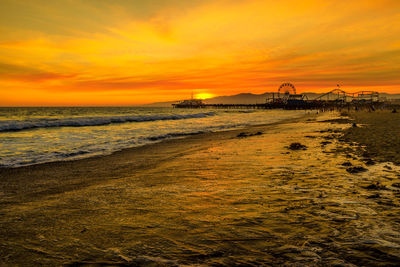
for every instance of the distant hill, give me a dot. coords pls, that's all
(160, 104)
(244, 98)
(249, 98)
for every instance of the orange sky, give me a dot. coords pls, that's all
(122, 52)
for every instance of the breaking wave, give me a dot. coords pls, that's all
(17, 125)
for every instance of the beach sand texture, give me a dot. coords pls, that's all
(380, 134)
(220, 198)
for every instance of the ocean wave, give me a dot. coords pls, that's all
(205, 130)
(239, 111)
(171, 135)
(18, 125)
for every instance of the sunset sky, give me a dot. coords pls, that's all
(122, 52)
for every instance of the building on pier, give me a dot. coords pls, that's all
(190, 103)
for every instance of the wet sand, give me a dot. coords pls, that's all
(211, 199)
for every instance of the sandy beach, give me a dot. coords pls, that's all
(379, 135)
(238, 197)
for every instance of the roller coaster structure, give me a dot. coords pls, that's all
(339, 95)
(287, 92)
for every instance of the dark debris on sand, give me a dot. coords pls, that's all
(387, 167)
(356, 169)
(376, 186)
(297, 146)
(369, 162)
(311, 136)
(396, 185)
(330, 131)
(347, 164)
(243, 134)
(341, 121)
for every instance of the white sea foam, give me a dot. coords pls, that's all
(18, 125)
(75, 133)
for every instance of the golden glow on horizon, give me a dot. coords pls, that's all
(72, 52)
(203, 96)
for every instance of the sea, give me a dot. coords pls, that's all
(33, 135)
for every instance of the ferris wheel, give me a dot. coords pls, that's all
(286, 89)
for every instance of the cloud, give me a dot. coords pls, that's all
(26, 74)
(224, 46)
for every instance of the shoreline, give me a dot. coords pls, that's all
(122, 161)
(152, 140)
(184, 136)
(39, 140)
(220, 198)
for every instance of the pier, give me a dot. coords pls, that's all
(287, 98)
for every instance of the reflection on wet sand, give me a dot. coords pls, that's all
(218, 199)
